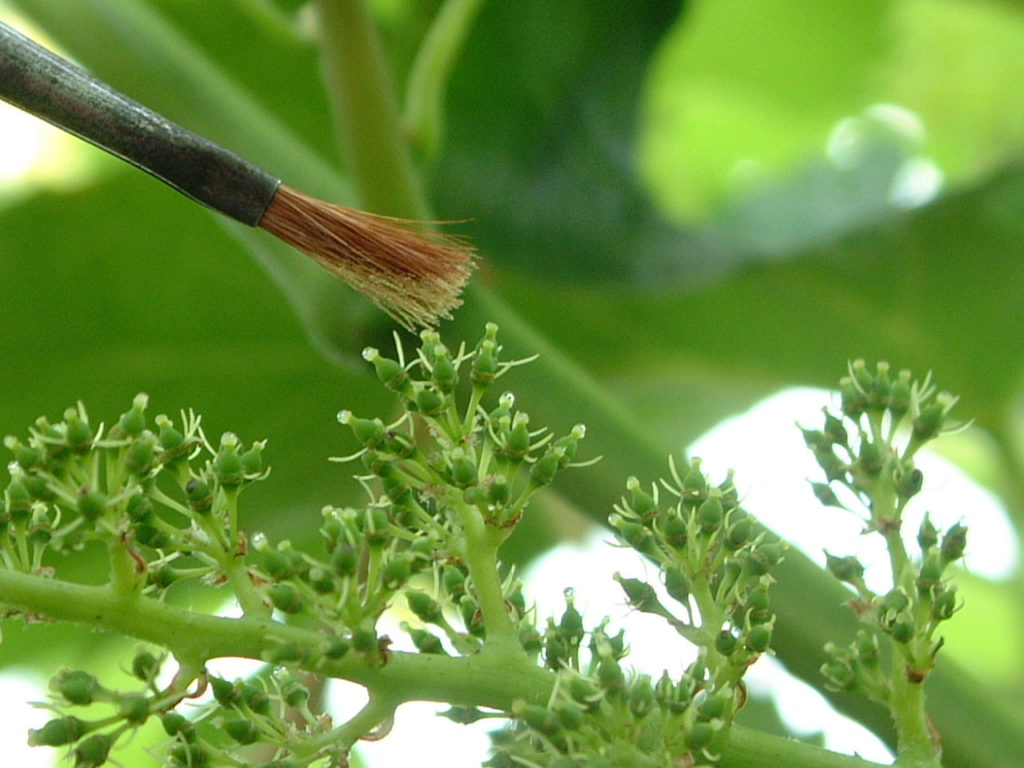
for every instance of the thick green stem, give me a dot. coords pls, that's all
(915, 746)
(366, 111)
(481, 556)
(484, 679)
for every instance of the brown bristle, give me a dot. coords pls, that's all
(415, 276)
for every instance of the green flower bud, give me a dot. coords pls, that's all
(133, 422)
(609, 674)
(900, 393)
(37, 487)
(677, 584)
(91, 504)
(170, 439)
(543, 470)
(848, 569)
(453, 579)
(424, 606)
(345, 560)
(79, 434)
(429, 401)
(759, 638)
(145, 665)
(571, 623)
(426, 642)
(141, 455)
(695, 485)
(929, 422)
(175, 723)
(927, 535)
(188, 755)
(150, 536)
(254, 697)
(570, 715)
(321, 580)
(642, 503)
(18, 500)
(364, 639)
(640, 595)
(870, 458)
(825, 495)
(241, 730)
(226, 693)
(893, 602)
(227, 464)
(716, 705)
(517, 442)
(944, 604)
(463, 469)
(902, 628)
(286, 598)
(93, 751)
(954, 543)
(641, 696)
(396, 572)
(27, 457)
(909, 483)
(369, 432)
(57, 733)
(834, 431)
(930, 573)
(710, 515)
(390, 372)
(336, 648)
(133, 707)
(76, 686)
(840, 676)
(674, 530)
(867, 648)
(294, 691)
(700, 735)
(634, 534)
(539, 718)
(726, 643)
(199, 495)
(485, 363)
(444, 372)
(583, 691)
(530, 639)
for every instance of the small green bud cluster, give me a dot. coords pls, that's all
(72, 482)
(868, 450)
(715, 563)
(90, 740)
(450, 458)
(870, 446)
(370, 558)
(269, 711)
(600, 713)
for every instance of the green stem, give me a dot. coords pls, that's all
(124, 576)
(481, 558)
(483, 679)
(915, 748)
(749, 748)
(378, 711)
(366, 110)
(424, 93)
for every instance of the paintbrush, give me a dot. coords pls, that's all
(414, 274)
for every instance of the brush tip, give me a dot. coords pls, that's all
(414, 275)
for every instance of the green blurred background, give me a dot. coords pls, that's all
(683, 206)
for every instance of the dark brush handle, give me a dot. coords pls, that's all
(38, 81)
